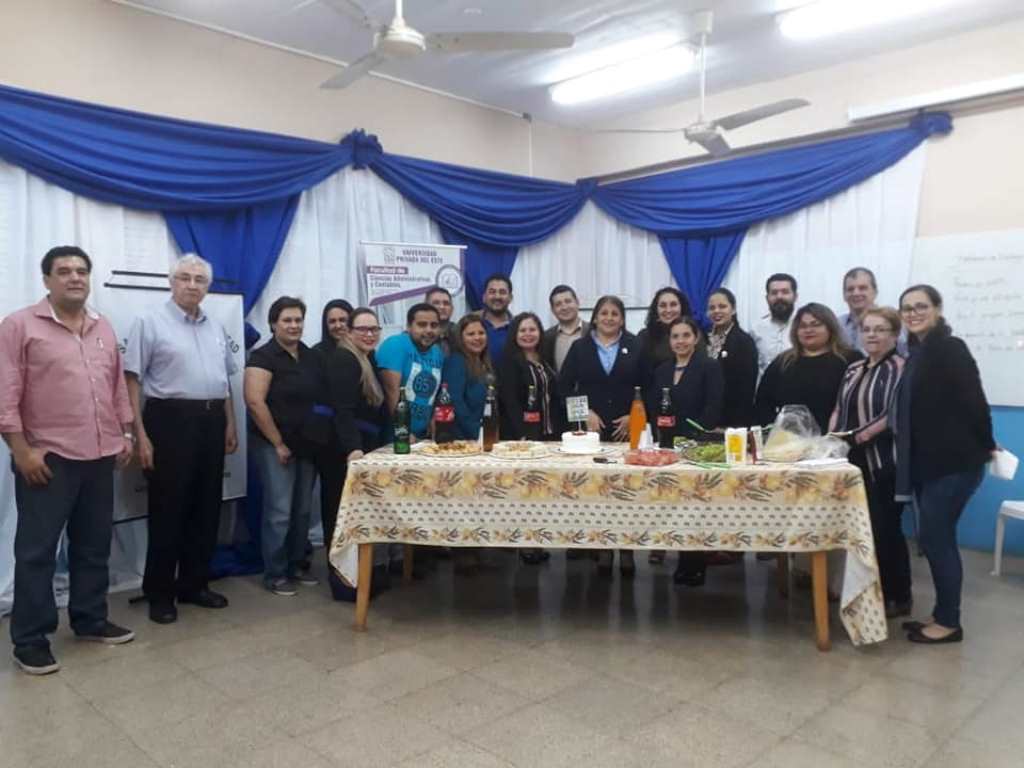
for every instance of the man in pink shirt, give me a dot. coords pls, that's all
(65, 414)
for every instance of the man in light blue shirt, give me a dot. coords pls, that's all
(179, 360)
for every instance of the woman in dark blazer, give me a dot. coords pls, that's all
(606, 367)
(667, 306)
(736, 353)
(356, 394)
(521, 367)
(943, 441)
(694, 384)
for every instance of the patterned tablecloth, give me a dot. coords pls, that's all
(570, 501)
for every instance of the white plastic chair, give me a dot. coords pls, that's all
(1008, 509)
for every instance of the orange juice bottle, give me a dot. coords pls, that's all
(637, 418)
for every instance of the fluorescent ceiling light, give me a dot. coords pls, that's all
(832, 17)
(625, 76)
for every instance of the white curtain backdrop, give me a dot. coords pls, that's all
(872, 224)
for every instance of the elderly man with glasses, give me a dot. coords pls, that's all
(179, 361)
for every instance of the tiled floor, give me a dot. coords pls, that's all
(528, 666)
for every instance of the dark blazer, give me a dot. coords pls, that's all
(609, 394)
(514, 380)
(547, 342)
(697, 396)
(738, 361)
(950, 420)
(358, 425)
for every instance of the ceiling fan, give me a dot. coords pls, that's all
(397, 39)
(708, 133)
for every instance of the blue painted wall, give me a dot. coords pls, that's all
(978, 525)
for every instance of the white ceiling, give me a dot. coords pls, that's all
(745, 48)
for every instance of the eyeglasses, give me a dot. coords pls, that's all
(911, 309)
(875, 331)
(367, 330)
(197, 279)
(812, 326)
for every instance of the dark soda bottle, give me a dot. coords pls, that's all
(400, 422)
(490, 419)
(444, 416)
(666, 420)
(532, 426)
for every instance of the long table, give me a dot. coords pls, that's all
(563, 501)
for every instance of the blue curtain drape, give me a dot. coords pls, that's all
(493, 214)
(231, 194)
(701, 214)
(228, 194)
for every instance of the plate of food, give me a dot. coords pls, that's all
(520, 450)
(655, 457)
(703, 453)
(452, 450)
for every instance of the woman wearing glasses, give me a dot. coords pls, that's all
(863, 410)
(943, 441)
(357, 397)
(810, 372)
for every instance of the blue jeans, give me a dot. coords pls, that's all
(940, 503)
(80, 495)
(287, 501)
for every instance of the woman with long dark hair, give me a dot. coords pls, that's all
(810, 372)
(522, 367)
(736, 353)
(863, 409)
(606, 367)
(667, 306)
(467, 372)
(943, 441)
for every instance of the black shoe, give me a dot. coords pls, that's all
(534, 556)
(162, 612)
(896, 608)
(108, 633)
(36, 660)
(956, 636)
(689, 578)
(206, 598)
(914, 626)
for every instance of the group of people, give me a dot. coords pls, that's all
(905, 390)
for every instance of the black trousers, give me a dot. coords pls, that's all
(333, 468)
(890, 543)
(80, 495)
(185, 490)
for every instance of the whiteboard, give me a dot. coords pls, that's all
(981, 278)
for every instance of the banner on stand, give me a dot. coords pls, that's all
(399, 270)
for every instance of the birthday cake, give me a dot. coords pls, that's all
(581, 442)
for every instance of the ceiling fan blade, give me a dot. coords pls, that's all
(638, 130)
(459, 42)
(711, 141)
(759, 113)
(353, 71)
(352, 10)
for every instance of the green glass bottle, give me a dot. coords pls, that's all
(401, 424)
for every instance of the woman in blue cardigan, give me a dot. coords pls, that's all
(467, 371)
(606, 366)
